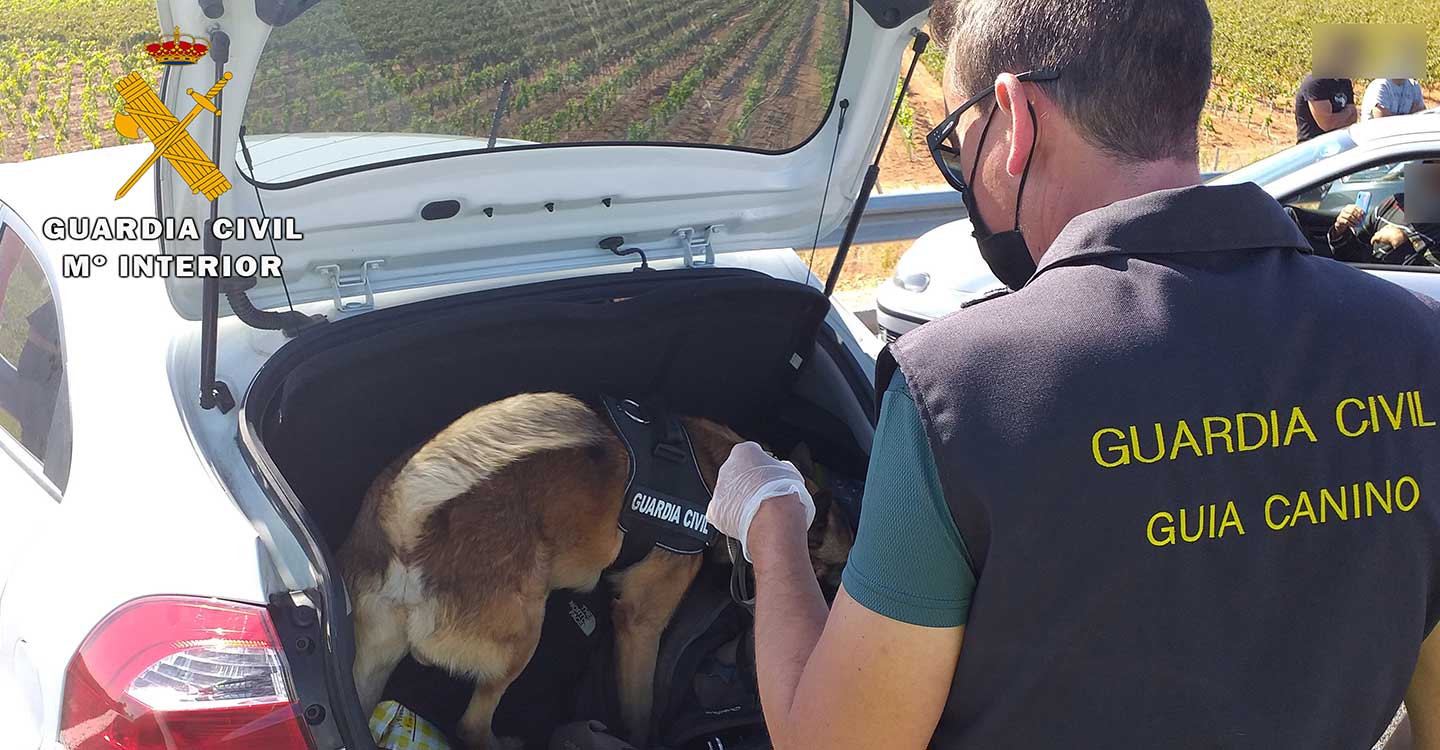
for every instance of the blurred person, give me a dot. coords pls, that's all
(1323, 105)
(1325, 99)
(1385, 97)
(1390, 235)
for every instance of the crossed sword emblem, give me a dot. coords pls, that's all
(145, 112)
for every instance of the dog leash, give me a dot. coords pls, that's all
(740, 589)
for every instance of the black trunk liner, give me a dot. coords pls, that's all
(723, 344)
(724, 348)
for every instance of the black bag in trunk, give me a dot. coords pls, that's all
(577, 630)
(706, 693)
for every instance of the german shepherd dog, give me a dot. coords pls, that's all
(459, 543)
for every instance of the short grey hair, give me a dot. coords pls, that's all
(1134, 74)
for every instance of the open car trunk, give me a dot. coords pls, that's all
(334, 407)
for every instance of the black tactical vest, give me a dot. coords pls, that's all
(1198, 471)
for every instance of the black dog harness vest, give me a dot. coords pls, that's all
(665, 496)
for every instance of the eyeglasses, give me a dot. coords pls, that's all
(945, 147)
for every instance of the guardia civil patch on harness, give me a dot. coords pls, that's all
(665, 496)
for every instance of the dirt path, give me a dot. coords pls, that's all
(805, 86)
(642, 98)
(784, 111)
(547, 104)
(707, 117)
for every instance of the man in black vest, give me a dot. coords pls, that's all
(1173, 491)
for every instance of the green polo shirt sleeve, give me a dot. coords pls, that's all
(909, 562)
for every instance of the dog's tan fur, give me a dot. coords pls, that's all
(459, 543)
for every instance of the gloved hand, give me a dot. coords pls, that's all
(748, 478)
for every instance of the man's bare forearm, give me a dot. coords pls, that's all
(1336, 120)
(1346, 117)
(790, 611)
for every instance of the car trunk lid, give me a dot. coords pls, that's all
(381, 211)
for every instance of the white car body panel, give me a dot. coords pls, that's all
(86, 556)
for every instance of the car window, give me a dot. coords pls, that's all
(33, 408)
(1366, 188)
(1381, 173)
(1380, 231)
(369, 81)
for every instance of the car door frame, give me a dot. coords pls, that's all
(29, 463)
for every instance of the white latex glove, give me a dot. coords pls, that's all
(748, 478)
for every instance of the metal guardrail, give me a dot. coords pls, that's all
(898, 217)
(903, 216)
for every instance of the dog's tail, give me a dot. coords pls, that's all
(477, 446)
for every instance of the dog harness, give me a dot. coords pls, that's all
(665, 496)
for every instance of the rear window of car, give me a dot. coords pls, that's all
(751, 74)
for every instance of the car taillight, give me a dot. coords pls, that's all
(181, 673)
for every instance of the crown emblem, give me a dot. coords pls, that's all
(181, 49)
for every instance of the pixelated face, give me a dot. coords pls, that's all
(1422, 192)
(1388, 50)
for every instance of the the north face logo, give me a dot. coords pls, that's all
(583, 617)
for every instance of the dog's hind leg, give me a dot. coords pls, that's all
(475, 724)
(493, 648)
(647, 594)
(380, 635)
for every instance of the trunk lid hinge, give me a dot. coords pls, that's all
(695, 244)
(351, 285)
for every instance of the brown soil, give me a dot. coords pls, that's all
(1232, 138)
(806, 80)
(12, 146)
(865, 267)
(548, 104)
(700, 121)
(643, 99)
(788, 112)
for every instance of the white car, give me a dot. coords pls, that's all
(936, 275)
(181, 458)
(1362, 165)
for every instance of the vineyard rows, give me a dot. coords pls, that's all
(58, 60)
(307, 62)
(632, 74)
(756, 73)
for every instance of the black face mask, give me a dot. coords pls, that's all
(1005, 253)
